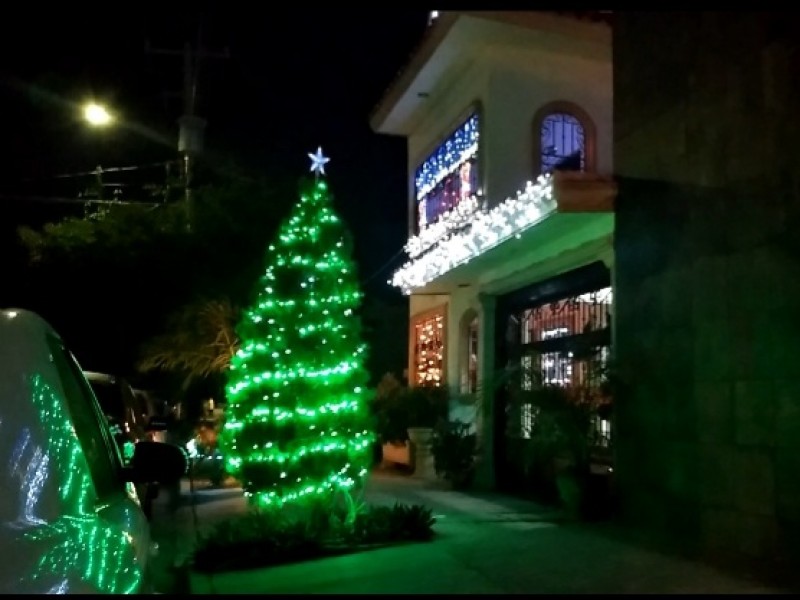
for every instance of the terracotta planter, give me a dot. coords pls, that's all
(396, 453)
(421, 455)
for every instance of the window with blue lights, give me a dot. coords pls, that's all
(449, 175)
(563, 143)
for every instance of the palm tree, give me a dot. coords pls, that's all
(200, 341)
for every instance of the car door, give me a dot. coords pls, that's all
(116, 560)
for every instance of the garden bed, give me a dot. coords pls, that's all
(263, 539)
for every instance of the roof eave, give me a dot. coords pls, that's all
(431, 40)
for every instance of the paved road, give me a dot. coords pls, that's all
(485, 544)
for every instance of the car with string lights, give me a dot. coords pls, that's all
(131, 420)
(127, 416)
(70, 518)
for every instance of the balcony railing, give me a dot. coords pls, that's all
(470, 229)
(464, 233)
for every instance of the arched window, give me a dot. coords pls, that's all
(564, 138)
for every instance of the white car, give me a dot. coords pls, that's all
(70, 520)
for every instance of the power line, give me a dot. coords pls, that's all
(63, 200)
(190, 136)
(382, 268)
(102, 170)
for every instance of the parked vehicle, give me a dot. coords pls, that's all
(128, 416)
(131, 420)
(70, 518)
(158, 416)
(205, 459)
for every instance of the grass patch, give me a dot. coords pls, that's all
(268, 538)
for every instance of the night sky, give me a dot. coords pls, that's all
(295, 80)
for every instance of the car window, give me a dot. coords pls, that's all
(101, 453)
(142, 404)
(108, 396)
(130, 400)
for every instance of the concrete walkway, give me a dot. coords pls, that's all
(485, 543)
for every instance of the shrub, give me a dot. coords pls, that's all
(261, 539)
(381, 524)
(254, 540)
(397, 407)
(454, 447)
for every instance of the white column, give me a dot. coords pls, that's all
(484, 477)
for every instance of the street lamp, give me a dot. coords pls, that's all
(190, 141)
(96, 115)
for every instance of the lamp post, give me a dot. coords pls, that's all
(97, 115)
(190, 144)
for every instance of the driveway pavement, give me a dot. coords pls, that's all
(485, 543)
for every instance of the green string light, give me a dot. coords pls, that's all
(296, 425)
(79, 544)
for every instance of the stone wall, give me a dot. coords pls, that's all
(707, 246)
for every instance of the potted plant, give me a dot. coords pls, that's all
(454, 446)
(425, 406)
(571, 425)
(404, 420)
(558, 440)
(391, 421)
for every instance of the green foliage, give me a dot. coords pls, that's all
(200, 340)
(426, 404)
(122, 230)
(128, 285)
(561, 426)
(401, 522)
(454, 446)
(390, 416)
(133, 273)
(255, 539)
(397, 408)
(560, 417)
(69, 236)
(264, 538)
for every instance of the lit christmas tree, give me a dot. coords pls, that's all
(297, 424)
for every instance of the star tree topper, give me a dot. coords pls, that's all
(318, 162)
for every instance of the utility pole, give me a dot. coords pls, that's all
(191, 126)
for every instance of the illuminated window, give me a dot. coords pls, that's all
(555, 337)
(563, 139)
(560, 337)
(562, 143)
(428, 349)
(567, 316)
(602, 431)
(449, 175)
(527, 418)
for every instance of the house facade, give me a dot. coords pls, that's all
(508, 119)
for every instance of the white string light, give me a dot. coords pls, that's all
(487, 229)
(456, 218)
